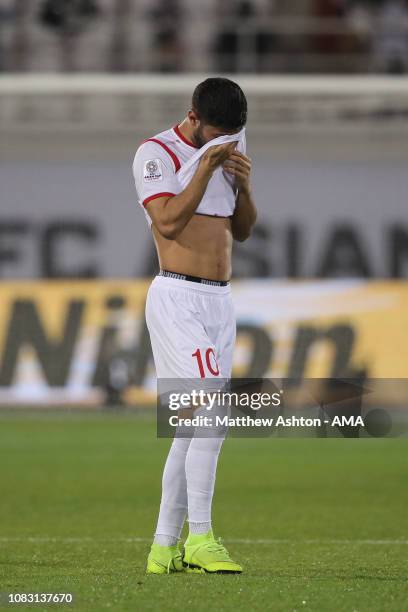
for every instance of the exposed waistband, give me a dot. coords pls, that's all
(193, 279)
(191, 286)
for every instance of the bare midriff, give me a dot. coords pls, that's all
(202, 249)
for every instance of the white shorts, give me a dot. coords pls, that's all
(192, 328)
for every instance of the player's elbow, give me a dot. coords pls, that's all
(243, 232)
(169, 230)
(167, 226)
(241, 236)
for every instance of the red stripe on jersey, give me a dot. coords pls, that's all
(157, 195)
(173, 156)
(183, 138)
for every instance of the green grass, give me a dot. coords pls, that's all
(79, 498)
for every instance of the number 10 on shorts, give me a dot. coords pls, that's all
(210, 362)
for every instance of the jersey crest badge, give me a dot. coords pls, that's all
(153, 171)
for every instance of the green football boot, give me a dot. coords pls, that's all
(204, 553)
(164, 560)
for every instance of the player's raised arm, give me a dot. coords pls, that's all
(244, 217)
(170, 214)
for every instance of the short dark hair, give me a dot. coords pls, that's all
(221, 103)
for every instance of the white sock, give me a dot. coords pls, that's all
(173, 506)
(199, 528)
(201, 467)
(165, 540)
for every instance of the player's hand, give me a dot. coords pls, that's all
(215, 156)
(239, 165)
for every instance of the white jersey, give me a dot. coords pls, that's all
(157, 164)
